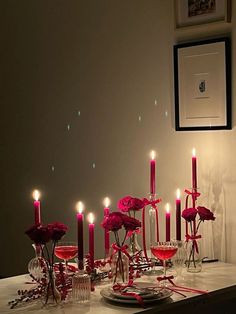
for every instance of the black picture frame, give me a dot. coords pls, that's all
(202, 85)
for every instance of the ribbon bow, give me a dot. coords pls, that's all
(194, 238)
(122, 289)
(122, 249)
(177, 288)
(152, 202)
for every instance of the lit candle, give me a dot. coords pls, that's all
(91, 239)
(37, 215)
(194, 169)
(80, 238)
(167, 222)
(106, 232)
(152, 172)
(178, 215)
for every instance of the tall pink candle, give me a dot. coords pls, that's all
(80, 235)
(91, 239)
(167, 222)
(152, 173)
(194, 169)
(178, 216)
(37, 212)
(106, 232)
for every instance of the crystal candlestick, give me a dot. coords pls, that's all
(81, 287)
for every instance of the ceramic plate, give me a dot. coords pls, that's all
(107, 295)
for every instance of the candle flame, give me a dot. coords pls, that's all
(167, 207)
(80, 207)
(153, 154)
(107, 201)
(178, 194)
(91, 218)
(194, 152)
(36, 195)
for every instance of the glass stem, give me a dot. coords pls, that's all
(164, 265)
(66, 266)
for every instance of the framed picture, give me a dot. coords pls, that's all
(196, 12)
(202, 80)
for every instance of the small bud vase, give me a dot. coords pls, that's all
(193, 258)
(37, 265)
(120, 267)
(134, 246)
(51, 295)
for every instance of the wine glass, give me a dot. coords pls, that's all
(66, 251)
(164, 251)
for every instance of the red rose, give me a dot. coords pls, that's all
(128, 203)
(58, 230)
(131, 223)
(39, 234)
(205, 213)
(113, 221)
(189, 214)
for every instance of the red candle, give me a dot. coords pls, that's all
(194, 169)
(152, 173)
(80, 238)
(37, 214)
(91, 239)
(167, 222)
(106, 232)
(178, 215)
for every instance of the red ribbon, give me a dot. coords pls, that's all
(121, 288)
(193, 238)
(177, 288)
(152, 203)
(123, 249)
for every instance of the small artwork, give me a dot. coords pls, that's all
(202, 85)
(197, 12)
(199, 7)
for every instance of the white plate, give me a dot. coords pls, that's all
(107, 295)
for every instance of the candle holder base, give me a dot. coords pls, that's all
(81, 287)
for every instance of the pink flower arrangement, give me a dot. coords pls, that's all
(41, 235)
(194, 217)
(114, 222)
(129, 203)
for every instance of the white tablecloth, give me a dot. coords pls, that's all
(214, 276)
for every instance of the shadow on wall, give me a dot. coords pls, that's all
(213, 197)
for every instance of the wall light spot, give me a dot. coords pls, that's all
(78, 113)
(94, 165)
(166, 113)
(139, 118)
(52, 168)
(155, 102)
(68, 127)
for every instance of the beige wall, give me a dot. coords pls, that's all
(111, 61)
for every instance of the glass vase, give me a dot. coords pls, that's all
(179, 258)
(37, 265)
(134, 246)
(120, 267)
(193, 258)
(51, 295)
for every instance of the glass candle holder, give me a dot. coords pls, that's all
(81, 287)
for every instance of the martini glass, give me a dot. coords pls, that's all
(164, 251)
(66, 251)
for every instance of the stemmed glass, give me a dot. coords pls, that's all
(66, 251)
(164, 251)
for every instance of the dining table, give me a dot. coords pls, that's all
(217, 279)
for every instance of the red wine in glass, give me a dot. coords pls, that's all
(66, 251)
(164, 251)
